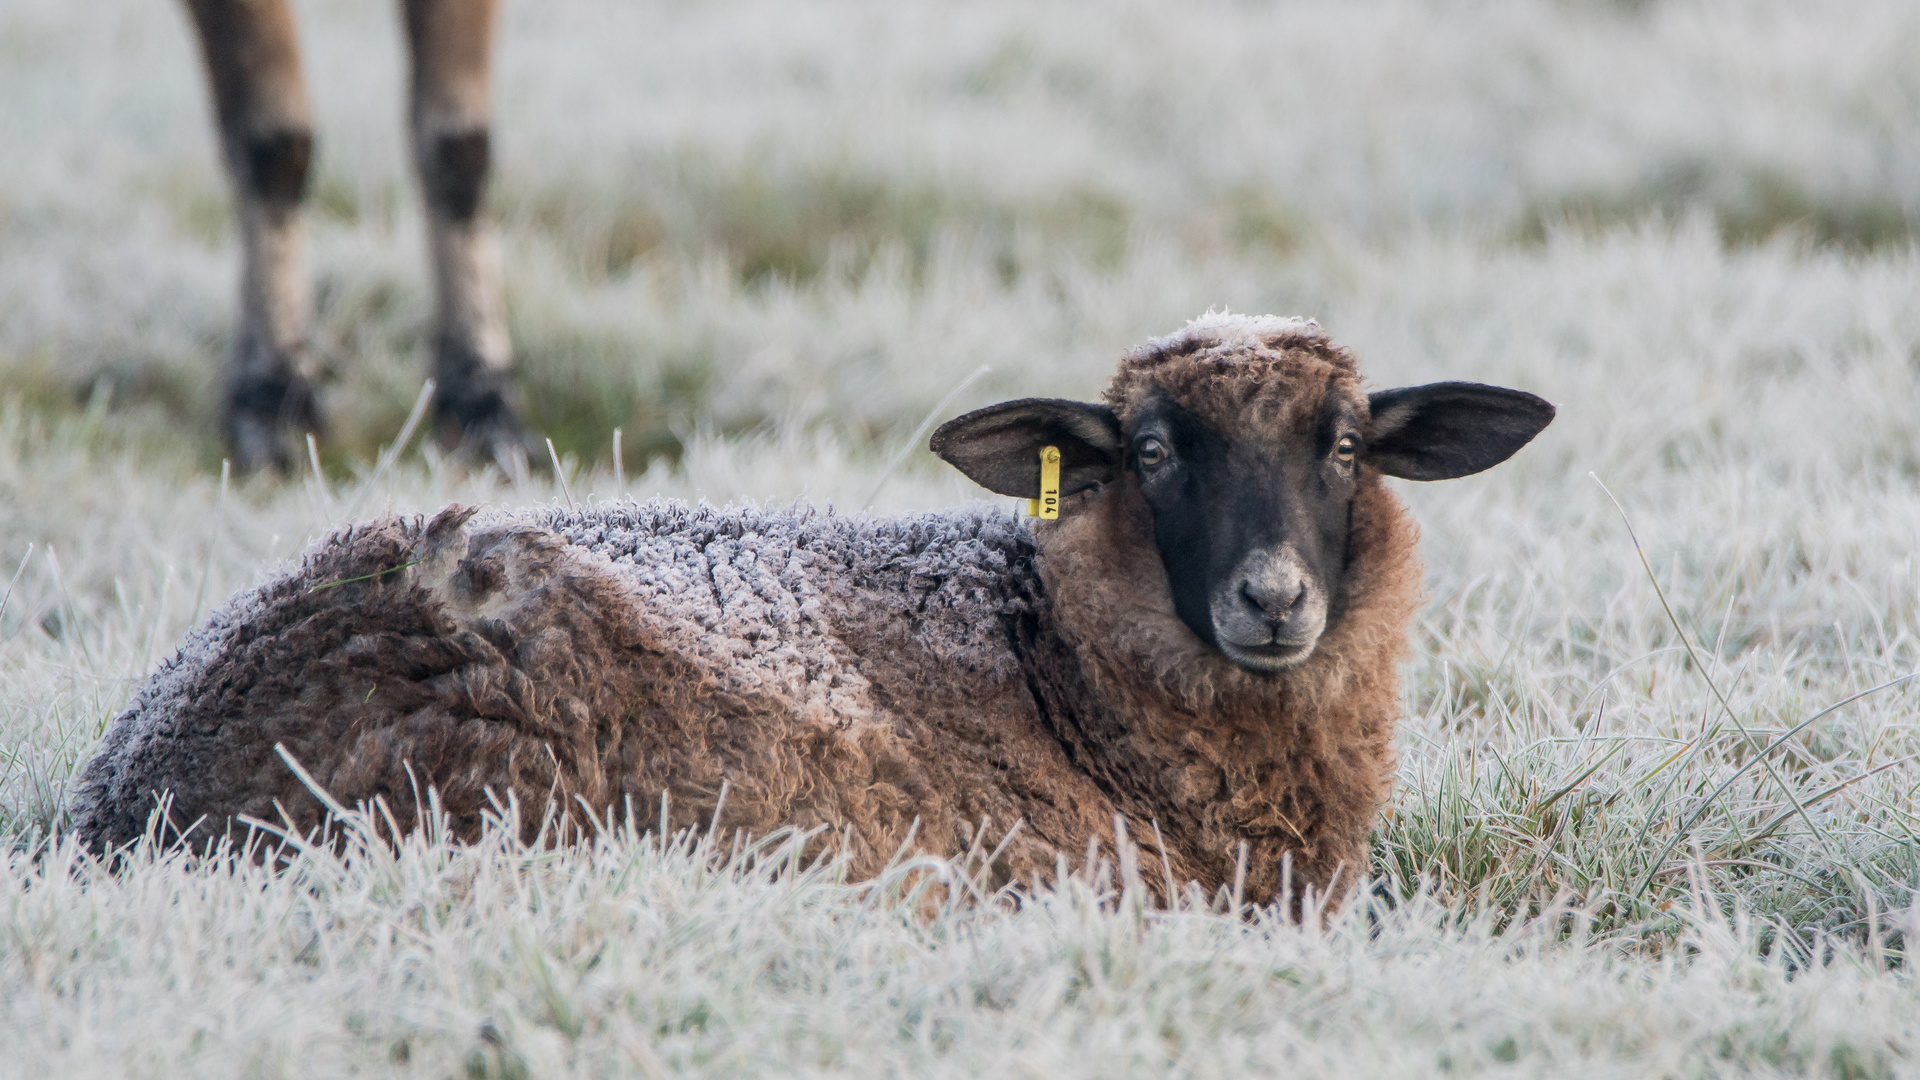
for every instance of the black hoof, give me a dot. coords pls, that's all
(267, 419)
(479, 420)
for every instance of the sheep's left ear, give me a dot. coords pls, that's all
(1443, 430)
(998, 447)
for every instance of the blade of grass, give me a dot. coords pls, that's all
(1578, 780)
(319, 477)
(1706, 675)
(73, 613)
(15, 579)
(1737, 773)
(392, 453)
(213, 538)
(1780, 819)
(921, 433)
(560, 474)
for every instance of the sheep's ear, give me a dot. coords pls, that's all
(1443, 430)
(998, 447)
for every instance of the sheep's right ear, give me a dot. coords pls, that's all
(998, 447)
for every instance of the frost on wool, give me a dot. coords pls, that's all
(809, 659)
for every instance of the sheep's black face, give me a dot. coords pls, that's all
(1251, 522)
(1252, 528)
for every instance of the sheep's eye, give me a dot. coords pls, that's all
(1346, 448)
(1152, 452)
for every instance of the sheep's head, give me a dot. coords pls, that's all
(1248, 439)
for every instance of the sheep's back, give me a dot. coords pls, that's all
(894, 637)
(834, 670)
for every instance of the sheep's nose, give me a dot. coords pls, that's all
(1279, 600)
(1268, 606)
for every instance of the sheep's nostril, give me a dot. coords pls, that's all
(1277, 604)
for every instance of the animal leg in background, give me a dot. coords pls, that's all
(450, 44)
(266, 137)
(252, 58)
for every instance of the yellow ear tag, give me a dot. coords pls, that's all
(1047, 506)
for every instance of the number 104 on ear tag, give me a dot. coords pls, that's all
(1048, 504)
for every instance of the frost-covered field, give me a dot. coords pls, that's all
(765, 240)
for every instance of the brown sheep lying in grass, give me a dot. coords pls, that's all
(1205, 640)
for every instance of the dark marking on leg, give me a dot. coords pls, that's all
(455, 173)
(278, 163)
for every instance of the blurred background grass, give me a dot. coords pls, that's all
(731, 216)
